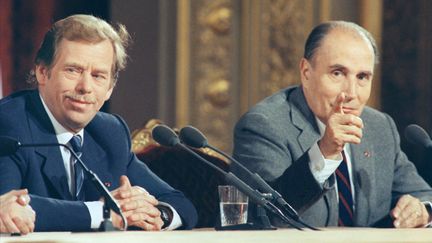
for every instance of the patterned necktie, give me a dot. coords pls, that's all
(345, 194)
(75, 142)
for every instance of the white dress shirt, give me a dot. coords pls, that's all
(323, 168)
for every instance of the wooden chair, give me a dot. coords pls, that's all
(183, 171)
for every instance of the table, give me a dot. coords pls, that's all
(212, 236)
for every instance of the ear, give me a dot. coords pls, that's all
(41, 72)
(304, 67)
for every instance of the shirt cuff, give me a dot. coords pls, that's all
(429, 210)
(176, 220)
(320, 167)
(96, 214)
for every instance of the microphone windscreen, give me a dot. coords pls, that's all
(8, 145)
(417, 135)
(193, 137)
(165, 136)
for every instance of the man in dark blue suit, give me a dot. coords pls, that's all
(76, 69)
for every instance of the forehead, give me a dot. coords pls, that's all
(98, 53)
(345, 46)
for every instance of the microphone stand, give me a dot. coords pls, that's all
(273, 195)
(194, 138)
(109, 201)
(254, 195)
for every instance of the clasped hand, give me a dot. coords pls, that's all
(138, 206)
(16, 215)
(410, 212)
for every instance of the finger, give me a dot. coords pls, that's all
(117, 220)
(123, 189)
(21, 224)
(147, 226)
(2, 227)
(150, 223)
(18, 192)
(124, 182)
(141, 217)
(141, 206)
(10, 226)
(350, 138)
(400, 206)
(352, 120)
(132, 192)
(351, 130)
(337, 105)
(23, 200)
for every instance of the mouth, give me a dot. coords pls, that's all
(349, 110)
(79, 101)
(79, 104)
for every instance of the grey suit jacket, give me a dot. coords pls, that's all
(274, 137)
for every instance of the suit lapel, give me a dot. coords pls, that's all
(362, 165)
(51, 159)
(303, 118)
(95, 158)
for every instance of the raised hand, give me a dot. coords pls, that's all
(341, 128)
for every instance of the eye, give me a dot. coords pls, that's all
(72, 70)
(363, 76)
(99, 76)
(337, 73)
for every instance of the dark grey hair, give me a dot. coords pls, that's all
(315, 38)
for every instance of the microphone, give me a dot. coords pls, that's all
(418, 136)
(192, 137)
(167, 137)
(9, 146)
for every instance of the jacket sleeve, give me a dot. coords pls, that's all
(264, 149)
(406, 179)
(139, 174)
(51, 214)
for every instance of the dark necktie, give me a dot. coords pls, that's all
(75, 142)
(345, 194)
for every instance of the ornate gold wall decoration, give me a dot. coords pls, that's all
(284, 27)
(239, 51)
(212, 58)
(273, 33)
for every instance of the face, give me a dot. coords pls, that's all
(344, 63)
(78, 83)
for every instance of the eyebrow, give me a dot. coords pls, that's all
(77, 65)
(339, 66)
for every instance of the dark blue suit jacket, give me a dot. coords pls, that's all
(106, 151)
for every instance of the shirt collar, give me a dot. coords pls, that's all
(62, 134)
(321, 126)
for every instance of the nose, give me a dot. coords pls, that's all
(84, 84)
(351, 88)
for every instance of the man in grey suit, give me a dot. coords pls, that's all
(300, 138)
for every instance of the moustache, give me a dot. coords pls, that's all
(81, 97)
